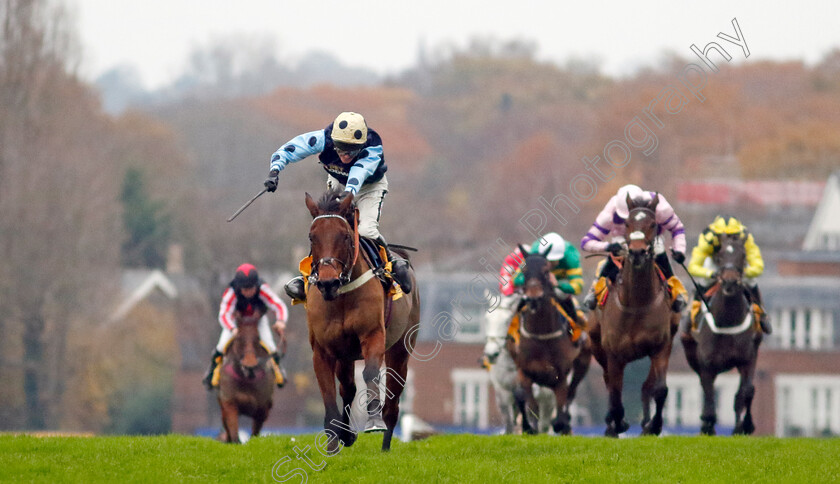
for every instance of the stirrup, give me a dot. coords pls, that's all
(589, 301)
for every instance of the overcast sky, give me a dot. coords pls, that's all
(155, 36)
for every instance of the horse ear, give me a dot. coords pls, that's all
(310, 204)
(630, 205)
(546, 251)
(523, 250)
(655, 201)
(346, 203)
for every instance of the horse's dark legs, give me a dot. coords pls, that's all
(614, 377)
(656, 388)
(580, 365)
(258, 419)
(524, 396)
(743, 400)
(324, 367)
(709, 415)
(347, 389)
(562, 423)
(396, 360)
(373, 352)
(230, 420)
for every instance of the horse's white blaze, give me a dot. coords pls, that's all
(640, 216)
(637, 235)
(730, 249)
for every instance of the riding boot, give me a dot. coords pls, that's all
(296, 289)
(678, 293)
(214, 361)
(754, 295)
(608, 271)
(399, 267)
(575, 327)
(279, 371)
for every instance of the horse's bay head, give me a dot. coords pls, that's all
(331, 238)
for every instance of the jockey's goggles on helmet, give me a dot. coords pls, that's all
(347, 149)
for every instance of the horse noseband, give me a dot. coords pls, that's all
(330, 261)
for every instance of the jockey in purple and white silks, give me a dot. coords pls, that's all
(610, 225)
(351, 154)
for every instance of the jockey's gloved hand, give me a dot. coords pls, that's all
(271, 182)
(678, 256)
(615, 248)
(560, 295)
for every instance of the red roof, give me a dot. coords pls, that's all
(763, 193)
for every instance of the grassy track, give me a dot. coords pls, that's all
(453, 458)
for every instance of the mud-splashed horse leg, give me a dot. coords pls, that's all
(230, 420)
(709, 415)
(743, 400)
(562, 423)
(656, 388)
(347, 389)
(373, 352)
(396, 360)
(324, 366)
(525, 402)
(615, 382)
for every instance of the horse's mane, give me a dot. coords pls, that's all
(331, 200)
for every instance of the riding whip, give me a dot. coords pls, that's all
(247, 204)
(696, 286)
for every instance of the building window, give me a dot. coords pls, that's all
(470, 388)
(803, 328)
(809, 405)
(685, 407)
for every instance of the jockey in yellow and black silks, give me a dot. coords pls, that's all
(708, 243)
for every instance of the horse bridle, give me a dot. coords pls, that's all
(344, 275)
(635, 234)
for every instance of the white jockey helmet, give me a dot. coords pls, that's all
(558, 246)
(621, 198)
(349, 131)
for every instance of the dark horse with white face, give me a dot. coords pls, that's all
(726, 337)
(636, 321)
(546, 355)
(246, 381)
(346, 311)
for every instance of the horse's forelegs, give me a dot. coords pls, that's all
(562, 423)
(230, 420)
(347, 390)
(373, 352)
(580, 366)
(709, 415)
(396, 362)
(258, 420)
(656, 387)
(325, 374)
(614, 376)
(743, 400)
(524, 396)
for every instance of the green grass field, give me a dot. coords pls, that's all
(452, 458)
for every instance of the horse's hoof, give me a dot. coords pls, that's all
(610, 432)
(530, 431)
(708, 430)
(623, 426)
(651, 429)
(375, 424)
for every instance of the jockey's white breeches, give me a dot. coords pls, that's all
(369, 202)
(265, 336)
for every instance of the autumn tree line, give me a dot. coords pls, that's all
(472, 137)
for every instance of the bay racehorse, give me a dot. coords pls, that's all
(546, 354)
(635, 321)
(726, 336)
(351, 318)
(246, 380)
